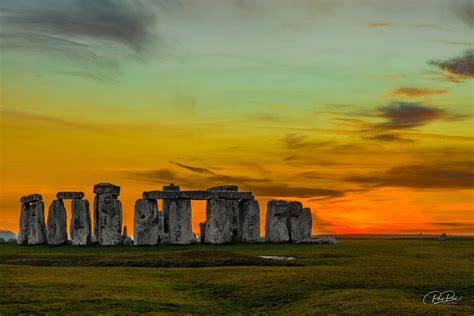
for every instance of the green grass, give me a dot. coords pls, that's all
(359, 276)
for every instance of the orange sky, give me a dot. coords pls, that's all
(362, 111)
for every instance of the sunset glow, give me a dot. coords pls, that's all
(361, 110)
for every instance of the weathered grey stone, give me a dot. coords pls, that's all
(180, 228)
(225, 187)
(56, 231)
(12, 240)
(163, 236)
(146, 228)
(202, 232)
(24, 224)
(443, 237)
(69, 195)
(2, 241)
(198, 195)
(31, 198)
(166, 206)
(250, 221)
(276, 225)
(124, 232)
(110, 222)
(80, 227)
(220, 220)
(37, 227)
(300, 224)
(323, 240)
(127, 241)
(98, 201)
(104, 188)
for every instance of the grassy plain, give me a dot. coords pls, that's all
(358, 276)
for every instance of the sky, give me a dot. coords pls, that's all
(362, 110)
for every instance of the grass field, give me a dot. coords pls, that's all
(358, 276)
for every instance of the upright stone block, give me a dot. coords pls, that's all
(180, 228)
(57, 232)
(146, 228)
(81, 227)
(202, 232)
(250, 221)
(300, 224)
(36, 227)
(166, 206)
(103, 191)
(110, 222)
(276, 225)
(220, 220)
(24, 224)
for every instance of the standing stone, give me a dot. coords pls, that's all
(24, 224)
(164, 238)
(276, 225)
(300, 224)
(36, 227)
(166, 206)
(56, 232)
(146, 228)
(180, 228)
(250, 221)
(81, 227)
(110, 222)
(103, 191)
(202, 233)
(219, 220)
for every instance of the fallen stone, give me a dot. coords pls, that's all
(37, 227)
(219, 220)
(323, 240)
(300, 222)
(250, 221)
(226, 187)
(443, 237)
(180, 228)
(276, 225)
(2, 241)
(12, 240)
(198, 195)
(110, 222)
(104, 188)
(31, 198)
(24, 224)
(146, 228)
(127, 241)
(81, 226)
(69, 195)
(56, 232)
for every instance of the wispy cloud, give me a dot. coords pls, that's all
(413, 92)
(91, 36)
(378, 24)
(194, 169)
(404, 115)
(455, 175)
(456, 69)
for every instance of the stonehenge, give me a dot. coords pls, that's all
(232, 216)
